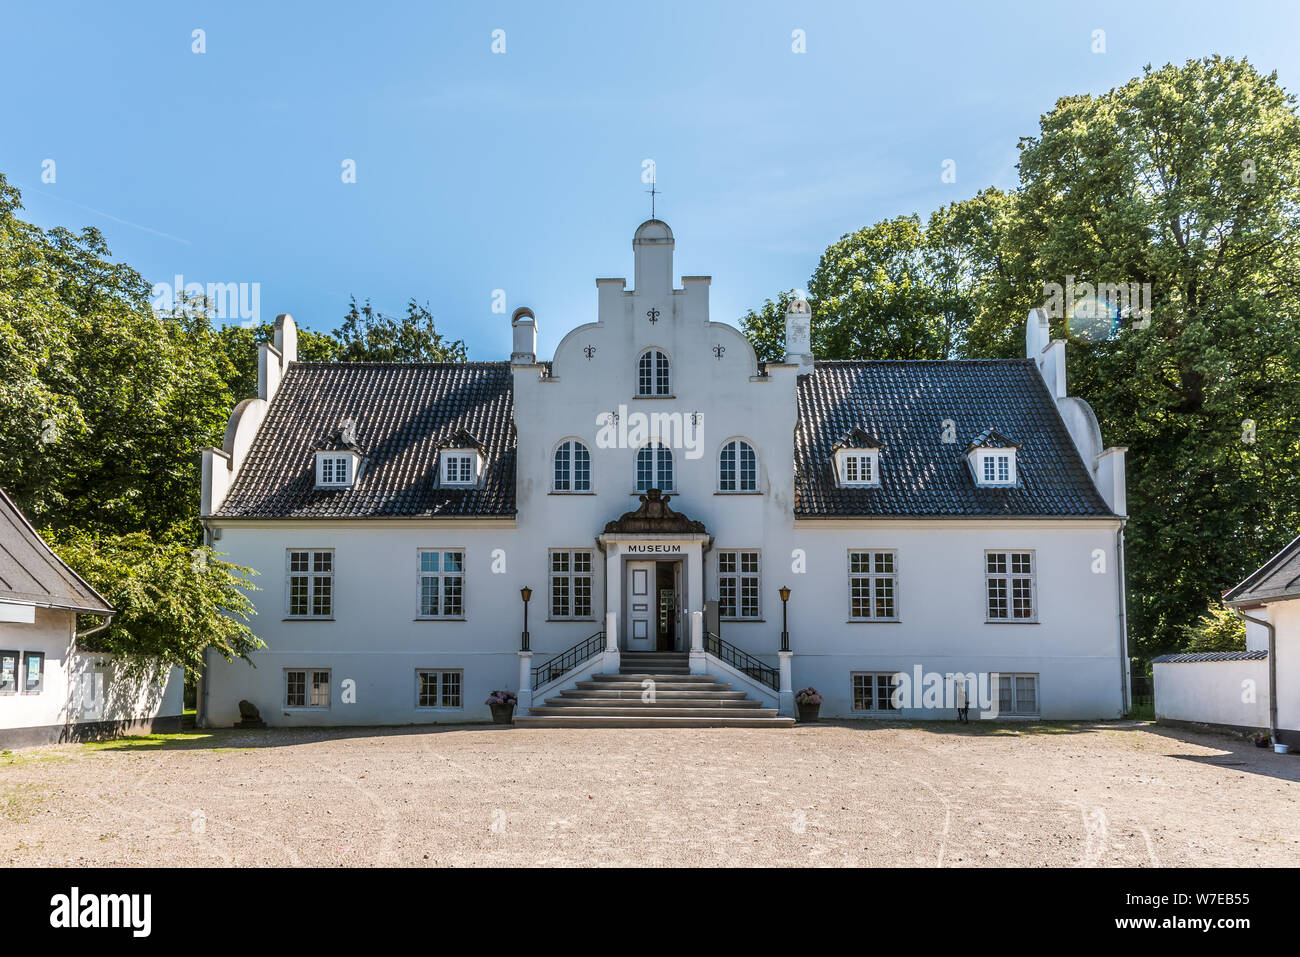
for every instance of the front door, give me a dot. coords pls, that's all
(642, 615)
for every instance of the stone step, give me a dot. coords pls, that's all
(655, 711)
(625, 676)
(648, 721)
(723, 691)
(713, 685)
(620, 704)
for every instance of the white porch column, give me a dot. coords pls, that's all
(698, 663)
(525, 693)
(787, 684)
(610, 667)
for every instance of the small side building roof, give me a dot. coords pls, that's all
(31, 574)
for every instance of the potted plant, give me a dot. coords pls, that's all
(502, 704)
(809, 702)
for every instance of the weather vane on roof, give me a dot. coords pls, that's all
(653, 193)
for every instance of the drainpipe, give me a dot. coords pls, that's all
(98, 628)
(1124, 665)
(1272, 672)
(201, 702)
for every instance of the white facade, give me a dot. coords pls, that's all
(362, 662)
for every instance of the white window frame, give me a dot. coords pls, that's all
(1014, 679)
(571, 578)
(986, 461)
(451, 473)
(1009, 577)
(874, 577)
(739, 575)
(327, 465)
(440, 575)
(660, 370)
(735, 475)
(309, 689)
(655, 447)
(313, 578)
(441, 683)
(891, 684)
(851, 464)
(570, 447)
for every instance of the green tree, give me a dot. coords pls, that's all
(368, 335)
(239, 343)
(1219, 629)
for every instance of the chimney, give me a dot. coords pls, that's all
(286, 338)
(1047, 353)
(798, 333)
(652, 248)
(524, 324)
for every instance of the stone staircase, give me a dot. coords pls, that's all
(681, 700)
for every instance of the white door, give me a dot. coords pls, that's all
(640, 604)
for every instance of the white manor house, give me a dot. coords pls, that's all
(656, 488)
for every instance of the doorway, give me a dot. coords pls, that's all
(666, 604)
(653, 601)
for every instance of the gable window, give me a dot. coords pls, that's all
(310, 583)
(1009, 578)
(874, 691)
(459, 467)
(334, 469)
(997, 467)
(306, 688)
(437, 689)
(858, 467)
(442, 583)
(653, 374)
(572, 467)
(737, 467)
(1018, 694)
(873, 585)
(8, 672)
(654, 468)
(571, 584)
(738, 585)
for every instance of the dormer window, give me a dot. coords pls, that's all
(857, 460)
(336, 469)
(992, 459)
(460, 467)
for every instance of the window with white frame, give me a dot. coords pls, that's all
(859, 467)
(738, 585)
(571, 583)
(442, 583)
(653, 374)
(459, 467)
(334, 469)
(437, 689)
(995, 467)
(873, 585)
(654, 468)
(572, 467)
(737, 467)
(310, 583)
(306, 688)
(1018, 694)
(9, 672)
(1009, 580)
(874, 691)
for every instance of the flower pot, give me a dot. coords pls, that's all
(808, 712)
(502, 713)
(1281, 748)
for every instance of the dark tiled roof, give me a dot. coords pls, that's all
(1189, 657)
(404, 413)
(905, 405)
(1277, 578)
(32, 574)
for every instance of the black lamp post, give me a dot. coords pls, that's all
(785, 634)
(525, 593)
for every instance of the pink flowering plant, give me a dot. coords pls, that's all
(502, 698)
(809, 695)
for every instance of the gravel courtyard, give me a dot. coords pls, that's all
(832, 794)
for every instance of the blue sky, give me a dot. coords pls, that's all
(521, 171)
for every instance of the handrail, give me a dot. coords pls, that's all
(569, 659)
(744, 663)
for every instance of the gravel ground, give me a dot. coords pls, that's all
(836, 793)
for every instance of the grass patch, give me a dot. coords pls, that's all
(182, 741)
(31, 756)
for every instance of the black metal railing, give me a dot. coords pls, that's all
(566, 661)
(746, 664)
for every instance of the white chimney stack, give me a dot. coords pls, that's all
(524, 324)
(798, 333)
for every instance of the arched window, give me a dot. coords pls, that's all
(572, 467)
(737, 467)
(653, 374)
(654, 468)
